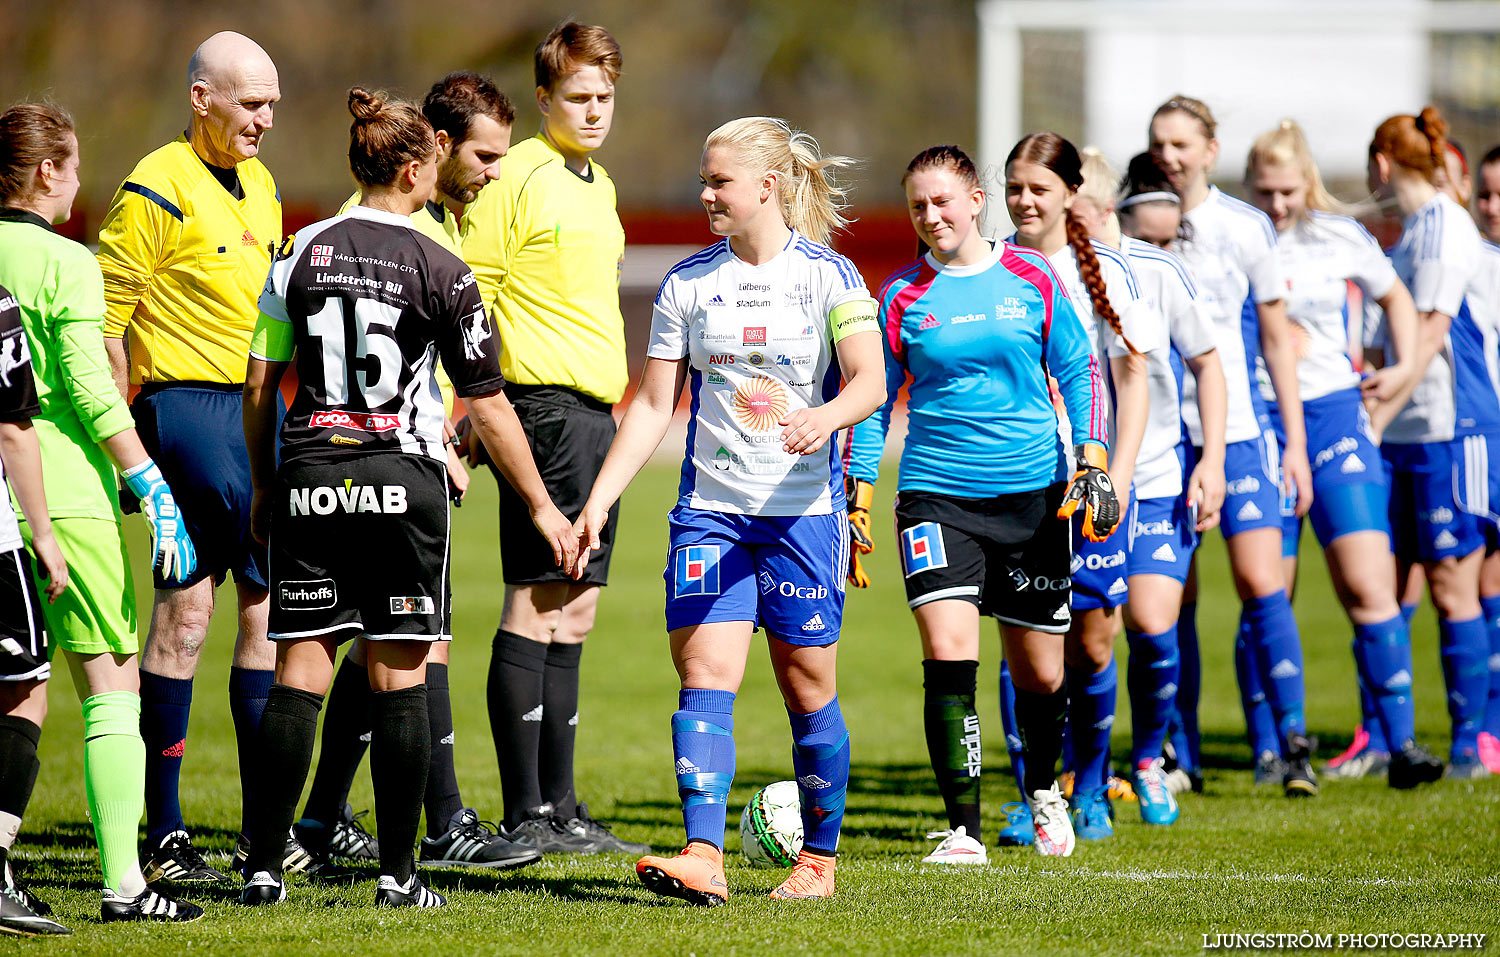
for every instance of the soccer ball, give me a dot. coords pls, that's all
(771, 826)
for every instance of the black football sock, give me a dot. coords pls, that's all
(18, 766)
(443, 798)
(952, 726)
(399, 754)
(559, 728)
(517, 665)
(1039, 718)
(248, 688)
(346, 735)
(284, 741)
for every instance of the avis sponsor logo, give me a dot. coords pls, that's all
(753, 336)
(363, 421)
(721, 359)
(308, 595)
(320, 256)
(412, 605)
(348, 498)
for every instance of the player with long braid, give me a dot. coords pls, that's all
(758, 537)
(982, 502)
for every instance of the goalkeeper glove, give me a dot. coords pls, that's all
(175, 558)
(1092, 489)
(860, 494)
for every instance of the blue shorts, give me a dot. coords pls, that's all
(1162, 538)
(785, 573)
(1252, 477)
(1349, 493)
(1427, 522)
(196, 435)
(1098, 568)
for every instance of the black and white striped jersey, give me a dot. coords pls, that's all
(374, 305)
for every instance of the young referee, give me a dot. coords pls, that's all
(546, 245)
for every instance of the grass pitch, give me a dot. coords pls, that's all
(1358, 859)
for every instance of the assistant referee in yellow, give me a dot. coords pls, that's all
(546, 245)
(185, 249)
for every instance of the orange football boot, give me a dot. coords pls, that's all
(811, 879)
(696, 875)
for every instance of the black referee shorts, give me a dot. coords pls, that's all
(569, 434)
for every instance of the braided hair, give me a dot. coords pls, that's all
(1056, 154)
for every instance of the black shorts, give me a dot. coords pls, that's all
(361, 546)
(1008, 554)
(569, 434)
(23, 639)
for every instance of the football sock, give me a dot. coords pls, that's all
(1012, 730)
(1466, 650)
(1383, 653)
(1091, 715)
(400, 752)
(953, 744)
(1260, 727)
(703, 746)
(1278, 658)
(248, 688)
(1151, 676)
(1491, 608)
(1369, 717)
(1039, 719)
(559, 728)
(114, 777)
(284, 741)
(346, 735)
(165, 703)
(18, 769)
(517, 671)
(442, 798)
(1187, 739)
(820, 758)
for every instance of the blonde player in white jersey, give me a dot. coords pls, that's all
(1168, 512)
(763, 325)
(1230, 248)
(1321, 253)
(1437, 448)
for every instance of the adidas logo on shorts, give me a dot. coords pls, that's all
(535, 714)
(1164, 553)
(684, 766)
(1352, 465)
(1399, 680)
(815, 623)
(1249, 513)
(1285, 669)
(446, 739)
(1445, 539)
(1118, 588)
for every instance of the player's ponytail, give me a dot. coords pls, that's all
(29, 134)
(1418, 143)
(812, 200)
(1287, 146)
(1056, 154)
(385, 135)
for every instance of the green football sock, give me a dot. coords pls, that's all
(114, 774)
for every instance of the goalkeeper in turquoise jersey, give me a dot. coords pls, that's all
(85, 432)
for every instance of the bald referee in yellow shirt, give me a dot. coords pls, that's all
(185, 249)
(546, 244)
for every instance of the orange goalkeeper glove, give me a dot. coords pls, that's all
(860, 494)
(1092, 489)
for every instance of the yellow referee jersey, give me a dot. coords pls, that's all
(184, 263)
(546, 246)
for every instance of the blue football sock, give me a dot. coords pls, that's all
(1151, 676)
(1369, 716)
(820, 756)
(248, 688)
(1383, 653)
(1278, 656)
(1012, 730)
(1491, 608)
(1260, 726)
(1466, 650)
(1188, 740)
(165, 703)
(703, 744)
(1091, 715)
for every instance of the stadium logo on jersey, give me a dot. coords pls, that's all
(757, 358)
(363, 421)
(320, 256)
(1244, 485)
(413, 605)
(753, 336)
(307, 595)
(476, 333)
(760, 404)
(969, 317)
(931, 322)
(696, 570)
(922, 548)
(13, 354)
(349, 498)
(752, 303)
